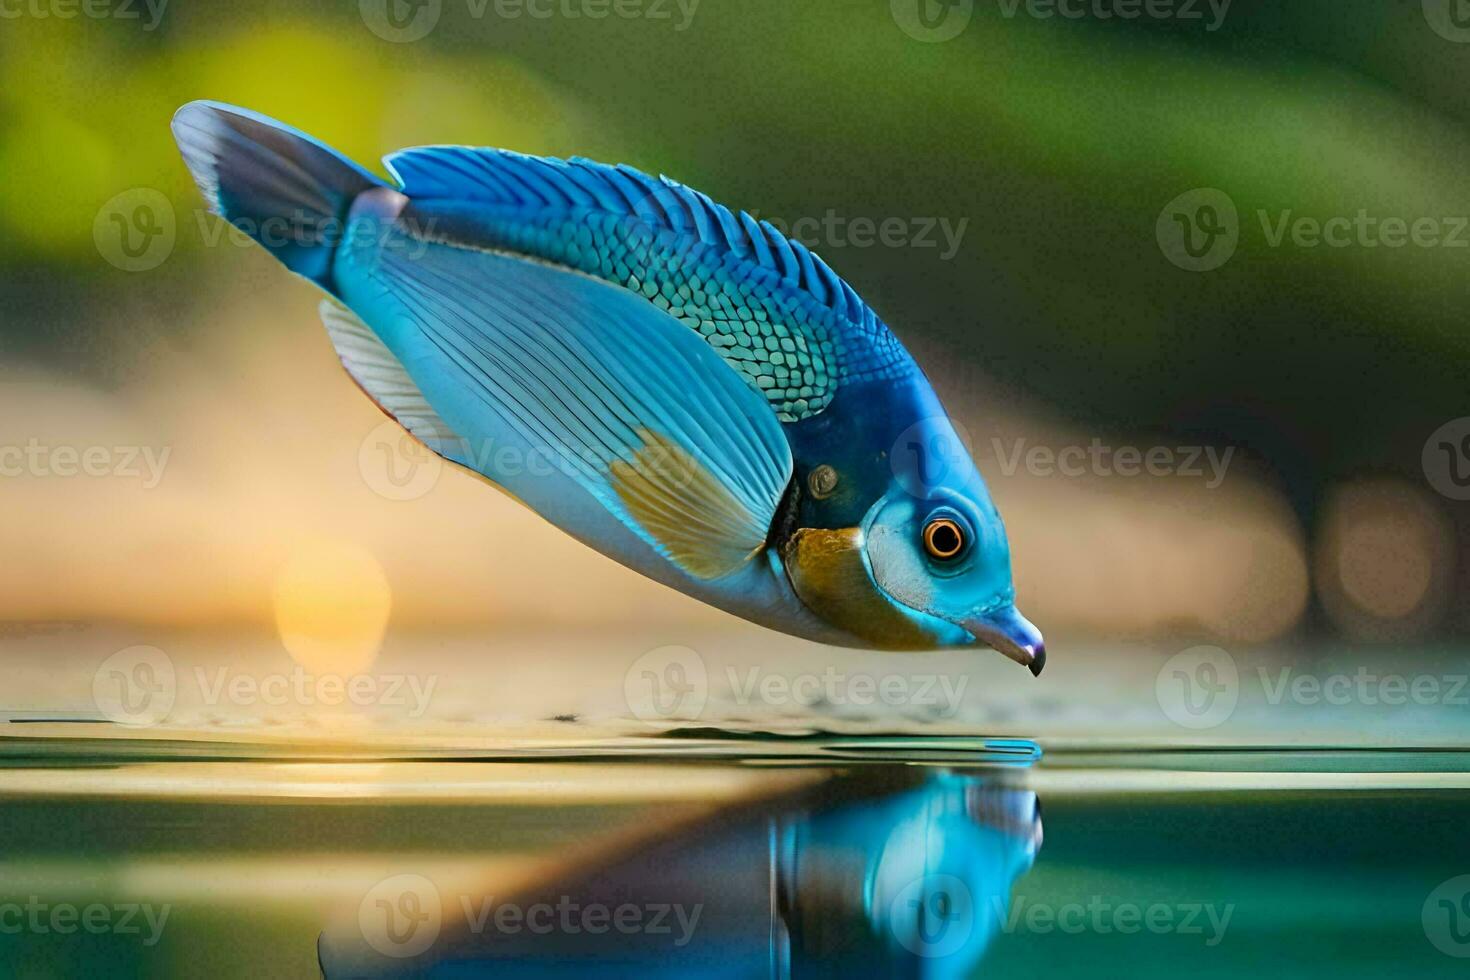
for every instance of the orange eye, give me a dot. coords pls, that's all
(943, 538)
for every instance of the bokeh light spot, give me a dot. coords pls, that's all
(332, 602)
(1384, 565)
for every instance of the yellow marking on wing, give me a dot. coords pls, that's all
(694, 517)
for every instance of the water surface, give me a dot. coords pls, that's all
(739, 857)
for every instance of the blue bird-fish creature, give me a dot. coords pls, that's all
(726, 415)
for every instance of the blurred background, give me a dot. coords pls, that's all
(1204, 421)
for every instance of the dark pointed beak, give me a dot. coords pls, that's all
(1012, 634)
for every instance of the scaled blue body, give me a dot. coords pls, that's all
(719, 410)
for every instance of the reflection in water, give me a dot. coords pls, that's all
(895, 873)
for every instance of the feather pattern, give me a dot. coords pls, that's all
(775, 311)
(698, 473)
(382, 378)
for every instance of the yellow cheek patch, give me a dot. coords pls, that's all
(696, 520)
(827, 571)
